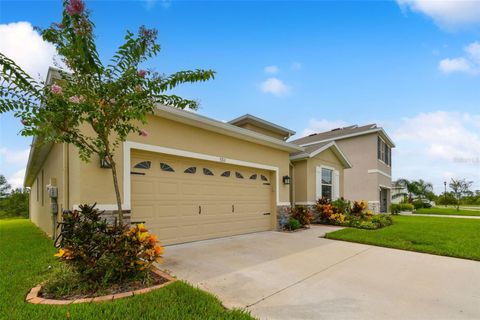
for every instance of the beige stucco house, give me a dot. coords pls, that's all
(368, 148)
(196, 178)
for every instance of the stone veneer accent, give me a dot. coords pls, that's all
(111, 216)
(374, 206)
(283, 214)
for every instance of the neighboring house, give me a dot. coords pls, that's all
(398, 192)
(196, 178)
(368, 149)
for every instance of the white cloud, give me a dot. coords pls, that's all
(271, 69)
(21, 43)
(316, 126)
(275, 86)
(296, 66)
(470, 63)
(437, 146)
(446, 13)
(14, 156)
(13, 160)
(150, 4)
(16, 180)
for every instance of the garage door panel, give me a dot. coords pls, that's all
(170, 202)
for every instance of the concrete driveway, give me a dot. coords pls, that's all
(303, 276)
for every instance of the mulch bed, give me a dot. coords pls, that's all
(157, 279)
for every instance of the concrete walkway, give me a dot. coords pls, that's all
(303, 276)
(437, 215)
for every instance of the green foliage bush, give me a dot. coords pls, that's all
(418, 204)
(102, 253)
(302, 215)
(345, 213)
(14, 204)
(406, 207)
(293, 224)
(395, 208)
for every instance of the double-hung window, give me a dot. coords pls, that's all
(384, 152)
(328, 183)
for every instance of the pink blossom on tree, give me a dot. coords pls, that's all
(75, 7)
(56, 89)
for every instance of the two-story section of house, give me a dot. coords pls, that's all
(368, 148)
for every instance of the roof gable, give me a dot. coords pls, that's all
(314, 150)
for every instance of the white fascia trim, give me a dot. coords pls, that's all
(333, 145)
(380, 172)
(307, 203)
(129, 145)
(262, 121)
(390, 141)
(222, 127)
(384, 187)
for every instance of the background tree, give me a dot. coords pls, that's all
(460, 188)
(424, 189)
(4, 186)
(93, 106)
(416, 188)
(410, 187)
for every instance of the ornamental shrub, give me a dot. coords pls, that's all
(302, 215)
(395, 208)
(418, 204)
(293, 224)
(105, 253)
(406, 207)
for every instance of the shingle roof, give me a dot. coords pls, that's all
(309, 149)
(335, 133)
(314, 149)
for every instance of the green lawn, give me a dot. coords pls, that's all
(26, 253)
(442, 236)
(447, 211)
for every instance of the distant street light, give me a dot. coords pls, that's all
(445, 194)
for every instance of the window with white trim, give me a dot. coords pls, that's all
(327, 183)
(384, 152)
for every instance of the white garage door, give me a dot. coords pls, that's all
(184, 199)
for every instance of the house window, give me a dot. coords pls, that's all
(238, 175)
(191, 170)
(263, 178)
(327, 183)
(384, 152)
(143, 165)
(207, 172)
(226, 174)
(166, 167)
(253, 177)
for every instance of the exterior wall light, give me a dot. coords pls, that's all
(104, 163)
(286, 180)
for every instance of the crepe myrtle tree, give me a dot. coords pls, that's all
(93, 106)
(460, 188)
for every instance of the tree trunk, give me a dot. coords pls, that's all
(117, 189)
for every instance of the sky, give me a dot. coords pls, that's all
(411, 66)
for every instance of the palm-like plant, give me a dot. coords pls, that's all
(415, 188)
(423, 188)
(93, 106)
